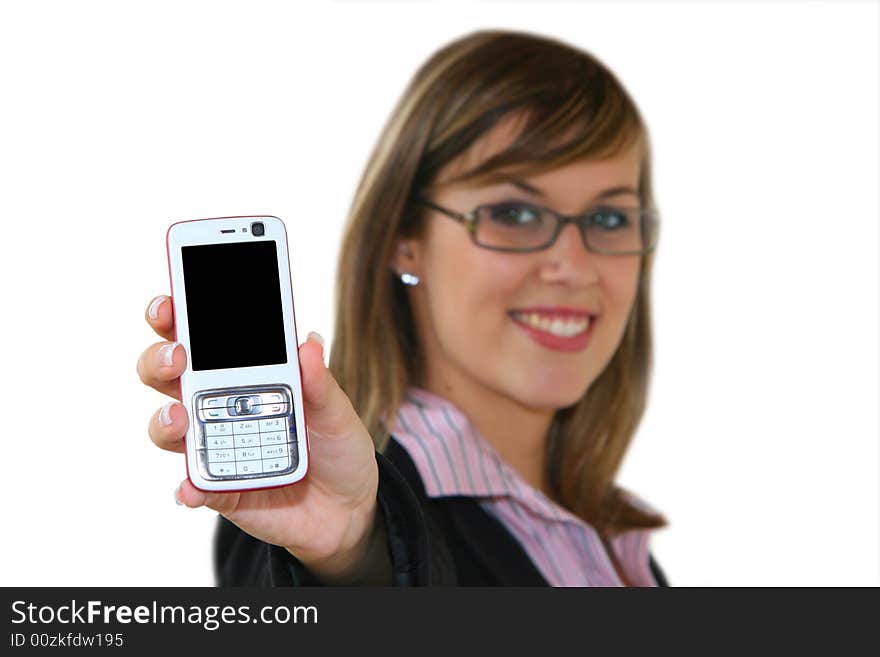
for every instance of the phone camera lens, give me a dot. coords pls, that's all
(257, 229)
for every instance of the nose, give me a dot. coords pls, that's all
(569, 258)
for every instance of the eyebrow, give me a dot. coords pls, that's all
(611, 191)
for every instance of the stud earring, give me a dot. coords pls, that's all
(409, 279)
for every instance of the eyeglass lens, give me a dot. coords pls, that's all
(518, 226)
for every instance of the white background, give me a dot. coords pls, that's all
(761, 440)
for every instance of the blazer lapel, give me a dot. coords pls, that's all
(480, 533)
(490, 542)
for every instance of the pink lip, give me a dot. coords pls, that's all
(555, 342)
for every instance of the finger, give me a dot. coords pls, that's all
(168, 426)
(160, 316)
(160, 366)
(188, 495)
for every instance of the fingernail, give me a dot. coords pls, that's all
(165, 414)
(154, 306)
(166, 353)
(176, 491)
(316, 336)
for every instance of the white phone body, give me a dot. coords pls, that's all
(242, 385)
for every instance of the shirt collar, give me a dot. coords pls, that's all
(453, 458)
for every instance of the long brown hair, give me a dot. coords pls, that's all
(456, 96)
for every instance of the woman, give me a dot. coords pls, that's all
(490, 362)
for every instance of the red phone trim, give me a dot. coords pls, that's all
(296, 346)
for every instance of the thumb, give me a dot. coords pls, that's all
(327, 406)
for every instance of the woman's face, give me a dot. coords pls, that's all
(466, 302)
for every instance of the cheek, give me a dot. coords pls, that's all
(619, 287)
(496, 286)
(621, 280)
(472, 297)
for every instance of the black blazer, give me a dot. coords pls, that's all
(448, 541)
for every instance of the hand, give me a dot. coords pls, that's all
(326, 518)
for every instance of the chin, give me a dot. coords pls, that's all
(552, 396)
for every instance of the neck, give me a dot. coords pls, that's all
(517, 432)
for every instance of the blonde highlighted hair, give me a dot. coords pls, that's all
(574, 109)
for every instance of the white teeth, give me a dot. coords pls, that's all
(562, 327)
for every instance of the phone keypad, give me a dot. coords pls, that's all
(245, 433)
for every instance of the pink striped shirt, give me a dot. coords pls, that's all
(454, 459)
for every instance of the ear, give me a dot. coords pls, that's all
(406, 257)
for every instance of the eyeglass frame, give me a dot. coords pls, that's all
(471, 220)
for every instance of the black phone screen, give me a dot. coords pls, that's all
(233, 301)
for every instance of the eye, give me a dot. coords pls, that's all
(511, 213)
(609, 219)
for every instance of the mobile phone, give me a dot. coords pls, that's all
(242, 387)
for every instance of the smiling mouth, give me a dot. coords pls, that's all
(559, 326)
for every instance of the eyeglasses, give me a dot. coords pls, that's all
(517, 226)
